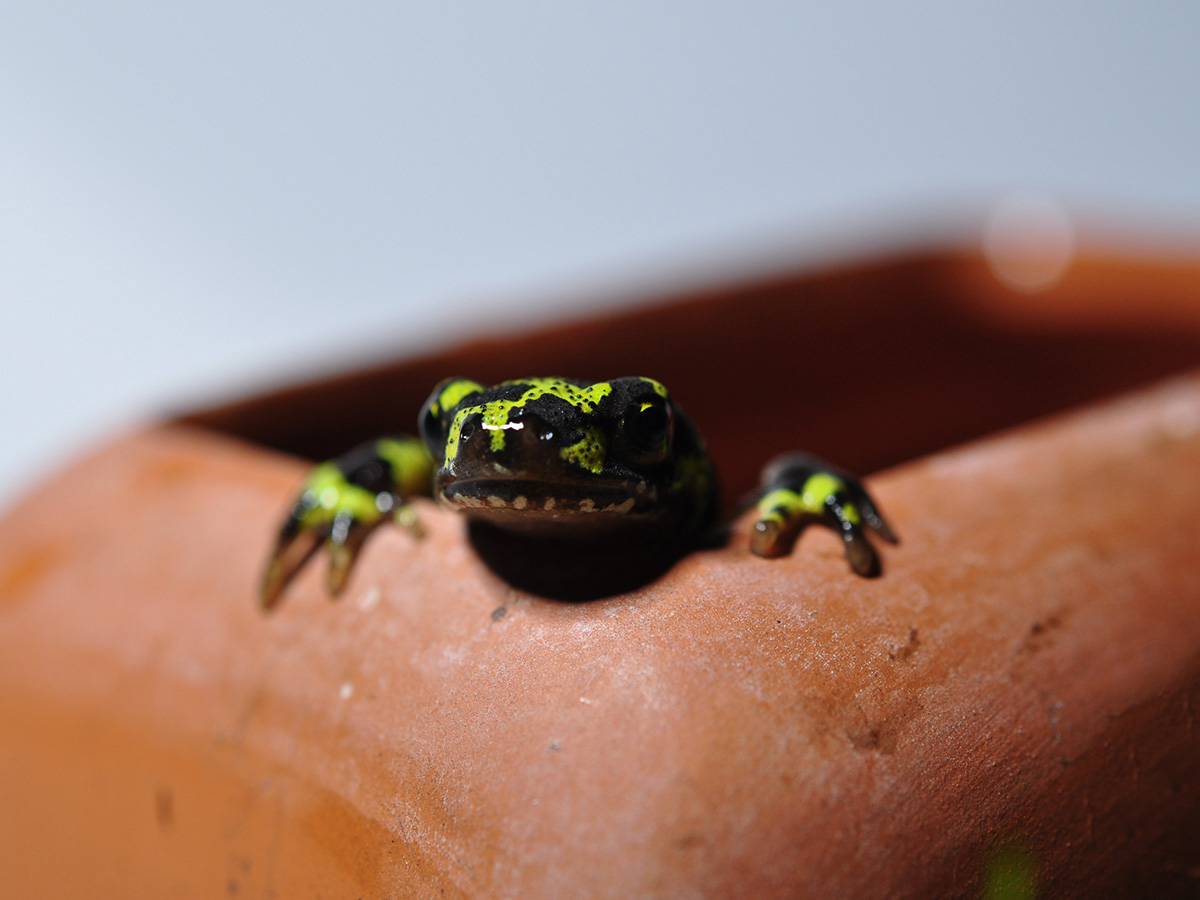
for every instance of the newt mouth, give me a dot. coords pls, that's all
(559, 499)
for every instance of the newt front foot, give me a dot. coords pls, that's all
(340, 503)
(798, 489)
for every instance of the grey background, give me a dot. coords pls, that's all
(198, 199)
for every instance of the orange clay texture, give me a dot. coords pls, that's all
(1021, 683)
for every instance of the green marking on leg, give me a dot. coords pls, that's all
(819, 488)
(334, 494)
(780, 506)
(412, 466)
(783, 505)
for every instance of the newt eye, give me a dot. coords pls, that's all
(438, 410)
(433, 429)
(648, 424)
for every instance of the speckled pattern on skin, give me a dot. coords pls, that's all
(563, 459)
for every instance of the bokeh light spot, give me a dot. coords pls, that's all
(1028, 241)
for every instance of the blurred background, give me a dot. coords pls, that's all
(200, 200)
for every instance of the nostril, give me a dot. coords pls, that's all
(538, 426)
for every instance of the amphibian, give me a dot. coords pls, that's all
(564, 460)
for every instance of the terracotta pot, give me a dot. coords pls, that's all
(1012, 700)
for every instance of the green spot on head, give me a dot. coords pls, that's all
(454, 435)
(656, 386)
(496, 413)
(588, 452)
(452, 394)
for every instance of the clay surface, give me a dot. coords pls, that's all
(1021, 683)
